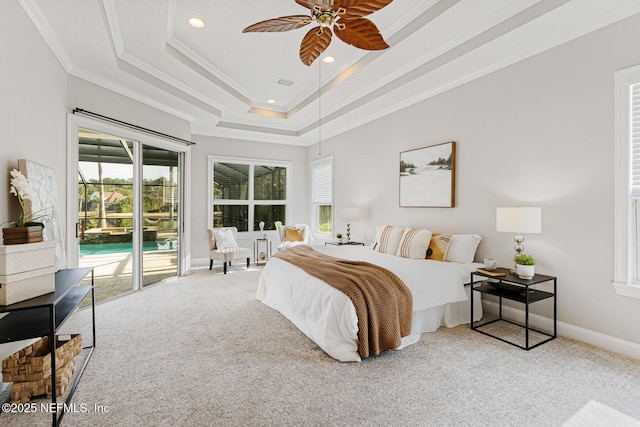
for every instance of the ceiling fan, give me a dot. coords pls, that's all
(347, 18)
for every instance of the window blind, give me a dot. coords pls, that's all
(635, 139)
(322, 181)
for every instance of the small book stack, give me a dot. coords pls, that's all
(491, 273)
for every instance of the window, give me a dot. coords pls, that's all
(635, 181)
(245, 192)
(322, 195)
(627, 184)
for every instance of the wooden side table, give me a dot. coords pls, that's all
(256, 250)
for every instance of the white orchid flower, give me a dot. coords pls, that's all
(20, 186)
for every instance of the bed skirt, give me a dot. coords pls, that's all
(448, 315)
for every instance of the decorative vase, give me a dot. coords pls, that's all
(525, 271)
(20, 235)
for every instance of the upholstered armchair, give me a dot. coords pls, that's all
(223, 247)
(292, 235)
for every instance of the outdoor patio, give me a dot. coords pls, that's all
(113, 272)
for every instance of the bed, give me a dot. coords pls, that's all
(328, 317)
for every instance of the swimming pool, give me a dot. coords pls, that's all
(124, 247)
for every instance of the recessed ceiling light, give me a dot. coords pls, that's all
(196, 22)
(328, 59)
(271, 101)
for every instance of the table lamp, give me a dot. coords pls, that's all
(261, 225)
(519, 220)
(349, 214)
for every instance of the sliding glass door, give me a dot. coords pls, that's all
(128, 211)
(160, 208)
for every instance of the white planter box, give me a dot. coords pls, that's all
(26, 257)
(26, 271)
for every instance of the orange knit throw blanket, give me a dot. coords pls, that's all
(382, 301)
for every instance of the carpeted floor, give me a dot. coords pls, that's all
(201, 351)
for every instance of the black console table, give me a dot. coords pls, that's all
(44, 315)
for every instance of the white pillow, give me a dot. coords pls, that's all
(414, 243)
(225, 239)
(388, 239)
(462, 248)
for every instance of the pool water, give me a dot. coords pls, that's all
(124, 247)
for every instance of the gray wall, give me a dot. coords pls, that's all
(32, 104)
(538, 133)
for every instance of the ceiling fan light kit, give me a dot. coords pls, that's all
(347, 18)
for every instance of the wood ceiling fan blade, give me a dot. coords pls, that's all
(360, 8)
(361, 33)
(313, 44)
(306, 3)
(284, 23)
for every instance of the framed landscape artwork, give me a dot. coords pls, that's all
(427, 176)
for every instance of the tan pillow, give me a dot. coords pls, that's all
(294, 234)
(438, 247)
(414, 243)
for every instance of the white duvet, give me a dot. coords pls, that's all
(328, 316)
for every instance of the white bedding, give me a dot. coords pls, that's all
(328, 316)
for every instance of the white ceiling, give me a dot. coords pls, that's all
(219, 78)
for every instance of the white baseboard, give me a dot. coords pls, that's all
(606, 342)
(201, 262)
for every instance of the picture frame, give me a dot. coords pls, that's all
(45, 206)
(427, 176)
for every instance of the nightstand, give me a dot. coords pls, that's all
(256, 250)
(511, 287)
(345, 244)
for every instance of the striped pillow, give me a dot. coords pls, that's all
(225, 239)
(388, 239)
(438, 247)
(414, 243)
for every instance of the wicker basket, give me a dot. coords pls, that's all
(30, 368)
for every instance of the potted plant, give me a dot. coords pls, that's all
(339, 237)
(525, 266)
(26, 229)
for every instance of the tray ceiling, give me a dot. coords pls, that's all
(220, 79)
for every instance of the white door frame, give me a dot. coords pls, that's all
(74, 124)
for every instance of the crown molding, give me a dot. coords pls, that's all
(42, 25)
(126, 91)
(141, 69)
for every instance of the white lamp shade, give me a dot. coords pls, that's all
(350, 214)
(519, 220)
